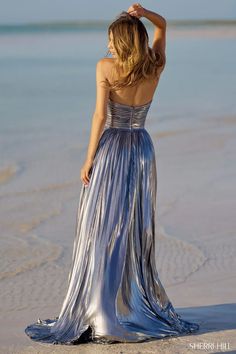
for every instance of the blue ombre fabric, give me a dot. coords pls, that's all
(114, 291)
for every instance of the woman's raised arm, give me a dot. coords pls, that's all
(159, 39)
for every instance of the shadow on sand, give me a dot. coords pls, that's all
(212, 318)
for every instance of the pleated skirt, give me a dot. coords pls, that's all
(114, 293)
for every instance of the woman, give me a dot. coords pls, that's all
(114, 292)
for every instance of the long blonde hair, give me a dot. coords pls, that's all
(135, 60)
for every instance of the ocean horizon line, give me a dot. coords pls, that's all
(75, 25)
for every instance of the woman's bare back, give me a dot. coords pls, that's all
(137, 95)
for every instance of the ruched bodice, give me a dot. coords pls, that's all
(124, 116)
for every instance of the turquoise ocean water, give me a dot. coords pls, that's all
(47, 75)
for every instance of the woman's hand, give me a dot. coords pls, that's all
(136, 10)
(84, 172)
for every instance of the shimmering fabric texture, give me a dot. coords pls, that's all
(114, 293)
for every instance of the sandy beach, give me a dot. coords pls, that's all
(196, 229)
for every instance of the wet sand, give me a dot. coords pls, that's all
(195, 252)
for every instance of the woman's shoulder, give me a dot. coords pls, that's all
(105, 65)
(106, 62)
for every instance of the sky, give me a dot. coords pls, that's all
(23, 11)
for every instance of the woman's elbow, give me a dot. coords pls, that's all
(100, 117)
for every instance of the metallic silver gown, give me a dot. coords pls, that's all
(114, 292)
